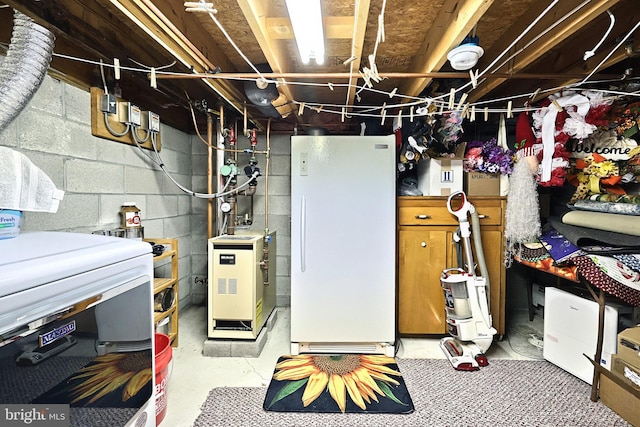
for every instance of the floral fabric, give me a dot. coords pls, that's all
(611, 276)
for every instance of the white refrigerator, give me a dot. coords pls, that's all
(343, 207)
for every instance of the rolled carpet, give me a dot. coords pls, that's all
(626, 224)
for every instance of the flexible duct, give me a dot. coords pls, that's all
(24, 67)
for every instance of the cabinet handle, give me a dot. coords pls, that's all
(422, 216)
(423, 244)
(483, 216)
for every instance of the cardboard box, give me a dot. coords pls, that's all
(442, 176)
(482, 184)
(620, 399)
(629, 346)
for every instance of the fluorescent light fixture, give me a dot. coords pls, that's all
(306, 19)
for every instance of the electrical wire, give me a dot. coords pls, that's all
(111, 130)
(624, 39)
(588, 54)
(229, 39)
(436, 100)
(158, 162)
(543, 33)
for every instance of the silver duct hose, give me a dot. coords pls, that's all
(24, 67)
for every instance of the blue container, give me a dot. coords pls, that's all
(10, 223)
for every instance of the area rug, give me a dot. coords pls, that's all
(337, 383)
(505, 393)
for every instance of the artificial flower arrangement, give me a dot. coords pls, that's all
(488, 157)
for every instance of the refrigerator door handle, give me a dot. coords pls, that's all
(303, 234)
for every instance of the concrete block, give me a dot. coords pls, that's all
(249, 348)
(239, 347)
(39, 131)
(280, 165)
(77, 104)
(184, 205)
(161, 206)
(93, 177)
(48, 97)
(271, 321)
(75, 210)
(142, 181)
(216, 348)
(169, 187)
(280, 145)
(177, 226)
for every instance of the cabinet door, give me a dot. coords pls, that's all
(422, 257)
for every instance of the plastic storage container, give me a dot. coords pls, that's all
(10, 223)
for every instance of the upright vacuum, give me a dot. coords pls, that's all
(466, 294)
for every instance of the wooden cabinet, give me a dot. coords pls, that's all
(425, 248)
(166, 281)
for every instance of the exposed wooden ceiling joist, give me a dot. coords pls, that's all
(455, 21)
(158, 26)
(418, 37)
(555, 28)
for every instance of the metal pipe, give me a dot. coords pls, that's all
(210, 169)
(435, 75)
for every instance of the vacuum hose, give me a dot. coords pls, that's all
(482, 264)
(25, 66)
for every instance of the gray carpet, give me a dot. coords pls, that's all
(505, 393)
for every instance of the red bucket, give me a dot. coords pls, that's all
(163, 359)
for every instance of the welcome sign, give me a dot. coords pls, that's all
(605, 143)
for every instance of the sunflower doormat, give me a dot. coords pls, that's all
(355, 383)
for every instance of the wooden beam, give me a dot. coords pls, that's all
(360, 16)
(335, 27)
(454, 22)
(256, 13)
(157, 26)
(539, 48)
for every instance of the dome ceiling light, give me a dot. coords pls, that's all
(465, 56)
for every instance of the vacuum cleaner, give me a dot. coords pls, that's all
(466, 294)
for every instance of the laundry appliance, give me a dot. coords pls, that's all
(242, 284)
(76, 317)
(343, 194)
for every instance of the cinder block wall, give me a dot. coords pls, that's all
(98, 175)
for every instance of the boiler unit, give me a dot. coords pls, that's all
(242, 284)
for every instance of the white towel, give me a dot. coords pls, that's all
(23, 186)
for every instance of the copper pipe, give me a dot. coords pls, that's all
(434, 75)
(210, 218)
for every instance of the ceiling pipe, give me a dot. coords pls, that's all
(435, 75)
(24, 67)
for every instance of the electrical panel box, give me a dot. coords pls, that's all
(241, 291)
(129, 113)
